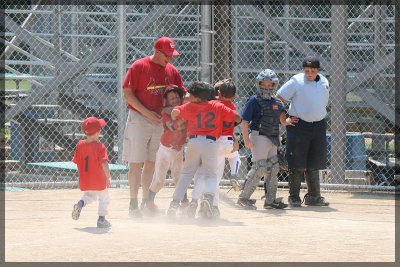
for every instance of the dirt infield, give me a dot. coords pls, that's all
(355, 228)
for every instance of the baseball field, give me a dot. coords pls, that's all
(356, 227)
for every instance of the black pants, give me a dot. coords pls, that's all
(306, 145)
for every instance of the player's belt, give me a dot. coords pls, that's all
(230, 138)
(207, 137)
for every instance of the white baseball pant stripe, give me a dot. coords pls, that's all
(166, 158)
(103, 197)
(204, 150)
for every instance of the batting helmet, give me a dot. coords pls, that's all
(267, 75)
(172, 88)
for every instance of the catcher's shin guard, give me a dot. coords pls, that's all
(271, 180)
(253, 177)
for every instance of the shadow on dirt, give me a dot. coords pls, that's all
(94, 230)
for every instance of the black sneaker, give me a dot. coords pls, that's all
(294, 201)
(245, 204)
(277, 204)
(315, 201)
(173, 208)
(103, 223)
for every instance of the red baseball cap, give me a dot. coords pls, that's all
(92, 125)
(166, 45)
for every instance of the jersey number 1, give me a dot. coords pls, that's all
(210, 116)
(87, 164)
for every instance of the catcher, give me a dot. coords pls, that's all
(263, 112)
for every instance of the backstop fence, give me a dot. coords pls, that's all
(63, 63)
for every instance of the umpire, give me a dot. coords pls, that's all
(308, 93)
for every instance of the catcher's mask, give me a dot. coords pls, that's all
(267, 75)
(172, 88)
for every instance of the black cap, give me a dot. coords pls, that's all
(311, 62)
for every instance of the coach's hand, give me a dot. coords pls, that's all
(153, 116)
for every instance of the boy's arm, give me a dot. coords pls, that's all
(245, 132)
(237, 118)
(166, 110)
(107, 172)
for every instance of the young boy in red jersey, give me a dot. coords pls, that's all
(94, 174)
(226, 91)
(170, 152)
(204, 120)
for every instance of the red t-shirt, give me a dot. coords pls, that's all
(228, 126)
(148, 81)
(89, 158)
(205, 118)
(177, 137)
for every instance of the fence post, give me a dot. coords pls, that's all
(378, 124)
(206, 43)
(121, 75)
(338, 92)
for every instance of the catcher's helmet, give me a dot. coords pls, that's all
(172, 88)
(267, 75)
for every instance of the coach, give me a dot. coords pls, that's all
(144, 86)
(308, 93)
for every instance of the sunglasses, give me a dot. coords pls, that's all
(164, 53)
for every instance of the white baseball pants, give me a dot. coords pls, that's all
(204, 150)
(166, 158)
(103, 197)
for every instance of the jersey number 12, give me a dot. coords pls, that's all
(210, 116)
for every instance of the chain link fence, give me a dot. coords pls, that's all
(64, 63)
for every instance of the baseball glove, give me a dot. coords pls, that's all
(283, 164)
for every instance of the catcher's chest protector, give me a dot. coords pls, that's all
(270, 112)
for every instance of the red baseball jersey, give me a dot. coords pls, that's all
(89, 158)
(177, 137)
(205, 118)
(228, 126)
(148, 81)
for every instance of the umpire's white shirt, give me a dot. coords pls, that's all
(309, 99)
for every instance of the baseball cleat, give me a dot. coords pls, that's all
(315, 201)
(191, 211)
(235, 183)
(173, 208)
(135, 213)
(216, 212)
(76, 212)
(276, 204)
(294, 201)
(150, 209)
(245, 204)
(205, 208)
